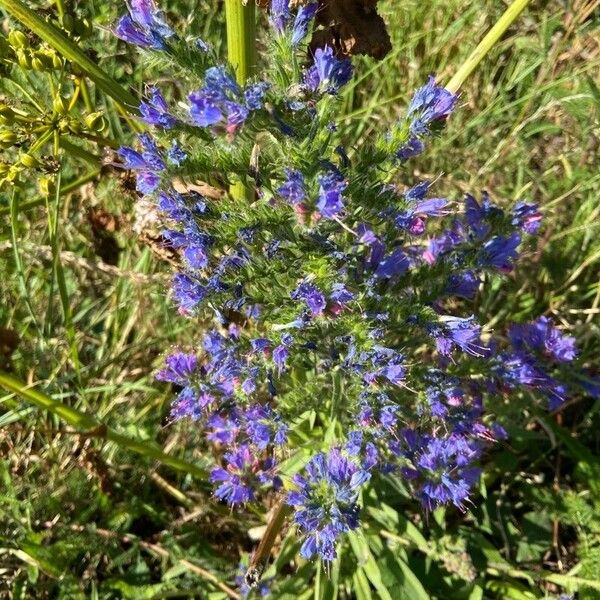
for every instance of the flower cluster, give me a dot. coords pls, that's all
(331, 293)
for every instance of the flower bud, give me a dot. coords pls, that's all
(74, 126)
(41, 61)
(57, 61)
(7, 138)
(59, 105)
(64, 125)
(24, 59)
(29, 161)
(7, 115)
(95, 121)
(18, 40)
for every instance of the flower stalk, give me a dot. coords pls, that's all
(486, 44)
(241, 52)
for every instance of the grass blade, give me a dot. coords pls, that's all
(95, 428)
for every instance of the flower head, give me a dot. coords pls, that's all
(325, 502)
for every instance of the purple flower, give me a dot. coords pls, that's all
(331, 186)
(292, 189)
(499, 252)
(175, 154)
(147, 182)
(219, 84)
(328, 73)
(264, 426)
(413, 147)
(443, 470)
(430, 104)
(242, 476)
(280, 354)
(304, 16)
(254, 95)
(204, 111)
(314, 298)
(279, 16)
(186, 292)
(156, 110)
(392, 265)
(180, 368)
(478, 217)
(463, 284)
(325, 502)
(144, 26)
(541, 335)
(236, 113)
(527, 217)
(458, 332)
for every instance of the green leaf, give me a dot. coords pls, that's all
(397, 575)
(368, 563)
(361, 585)
(588, 465)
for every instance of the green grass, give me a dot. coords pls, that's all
(81, 517)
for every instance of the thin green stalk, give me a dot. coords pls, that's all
(241, 52)
(13, 207)
(53, 230)
(94, 428)
(486, 44)
(53, 36)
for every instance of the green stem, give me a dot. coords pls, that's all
(241, 38)
(53, 36)
(94, 428)
(486, 44)
(241, 52)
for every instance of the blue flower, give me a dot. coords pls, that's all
(303, 18)
(279, 16)
(180, 368)
(292, 189)
(254, 95)
(541, 335)
(458, 332)
(413, 147)
(186, 292)
(175, 154)
(527, 217)
(243, 475)
(331, 186)
(463, 284)
(430, 103)
(144, 26)
(204, 111)
(444, 466)
(394, 264)
(328, 73)
(156, 110)
(499, 252)
(325, 502)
